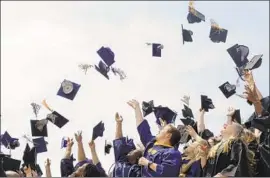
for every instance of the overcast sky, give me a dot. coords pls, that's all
(42, 43)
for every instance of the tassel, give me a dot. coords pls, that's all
(46, 105)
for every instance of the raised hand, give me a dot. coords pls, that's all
(118, 118)
(78, 136)
(163, 123)
(47, 162)
(231, 111)
(92, 145)
(70, 142)
(191, 131)
(249, 78)
(134, 104)
(250, 94)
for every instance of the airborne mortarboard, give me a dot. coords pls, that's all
(54, 117)
(39, 128)
(40, 144)
(190, 122)
(164, 113)
(103, 69)
(107, 147)
(68, 89)
(206, 103)
(9, 142)
(185, 100)
(236, 117)
(10, 164)
(194, 16)
(98, 130)
(185, 137)
(147, 107)
(186, 35)
(254, 63)
(106, 55)
(239, 54)
(29, 155)
(217, 34)
(187, 112)
(227, 89)
(156, 49)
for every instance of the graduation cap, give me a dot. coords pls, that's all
(29, 155)
(236, 117)
(261, 123)
(185, 137)
(206, 134)
(206, 103)
(98, 130)
(194, 16)
(107, 147)
(2, 171)
(38, 170)
(40, 144)
(185, 100)
(164, 113)
(266, 103)
(147, 107)
(254, 63)
(68, 89)
(39, 128)
(54, 117)
(217, 34)
(63, 143)
(228, 89)
(10, 164)
(107, 55)
(9, 142)
(239, 54)
(187, 112)
(103, 69)
(187, 35)
(156, 49)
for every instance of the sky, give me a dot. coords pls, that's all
(42, 43)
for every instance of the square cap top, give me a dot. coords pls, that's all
(164, 113)
(40, 144)
(239, 54)
(68, 89)
(187, 112)
(103, 69)
(254, 63)
(147, 107)
(206, 134)
(107, 55)
(156, 49)
(57, 119)
(227, 89)
(10, 164)
(29, 155)
(194, 16)
(39, 128)
(236, 117)
(206, 103)
(107, 147)
(8, 141)
(218, 35)
(98, 130)
(186, 35)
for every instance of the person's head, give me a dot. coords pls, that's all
(134, 156)
(212, 141)
(197, 149)
(248, 136)
(169, 135)
(88, 170)
(232, 130)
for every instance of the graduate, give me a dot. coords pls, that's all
(161, 157)
(125, 153)
(230, 157)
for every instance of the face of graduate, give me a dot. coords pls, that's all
(164, 134)
(231, 130)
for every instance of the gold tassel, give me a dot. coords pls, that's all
(215, 25)
(46, 105)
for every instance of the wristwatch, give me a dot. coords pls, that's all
(149, 164)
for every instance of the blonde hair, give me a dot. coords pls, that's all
(200, 151)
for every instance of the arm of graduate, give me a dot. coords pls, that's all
(170, 166)
(237, 156)
(119, 130)
(66, 164)
(81, 153)
(48, 168)
(95, 158)
(200, 121)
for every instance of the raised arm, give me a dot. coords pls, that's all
(68, 148)
(93, 152)
(48, 168)
(66, 164)
(81, 153)
(200, 121)
(193, 133)
(230, 113)
(138, 114)
(119, 131)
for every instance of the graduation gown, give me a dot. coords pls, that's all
(194, 170)
(234, 163)
(167, 158)
(263, 167)
(123, 168)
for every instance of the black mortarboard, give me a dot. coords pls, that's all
(239, 54)
(266, 103)
(206, 103)
(29, 155)
(10, 164)
(227, 89)
(107, 147)
(9, 142)
(190, 122)
(39, 128)
(164, 113)
(57, 119)
(106, 55)
(147, 107)
(206, 134)
(40, 144)
(187, 35)
(254, 63)
(261, 123)
(98, 130)
(38, 170)
(185, 137)
(236, 117)
(68, 89)
(218, 35)
(103, 69)
(187, 112)
(194, 16)
(2, 171)
(156, 49)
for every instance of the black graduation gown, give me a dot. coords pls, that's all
(263, 167)
(234, 163)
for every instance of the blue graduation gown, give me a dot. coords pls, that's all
(195, 169)
(123, 168)
(167, 158)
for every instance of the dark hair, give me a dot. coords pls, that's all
(91, 170)
(176, 135)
